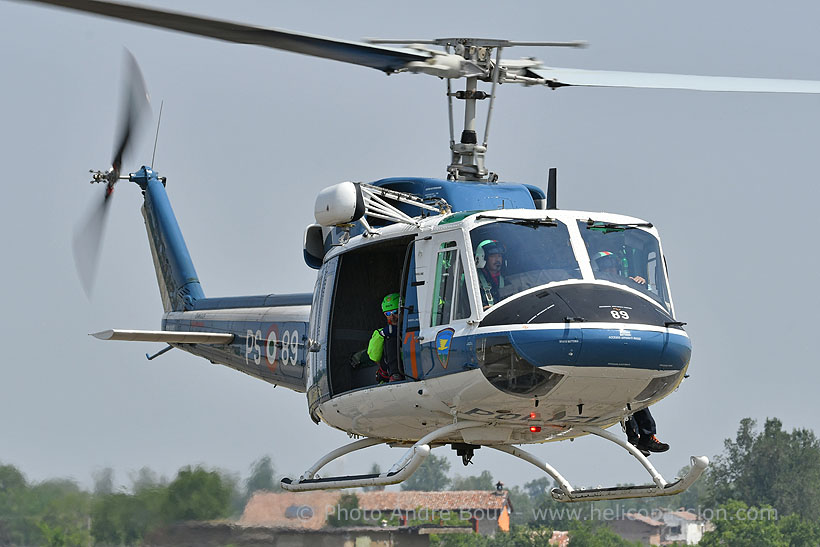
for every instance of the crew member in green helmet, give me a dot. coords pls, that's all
(383, 347)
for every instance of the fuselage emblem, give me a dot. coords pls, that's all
(443, 339)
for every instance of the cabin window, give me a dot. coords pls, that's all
(627, 255)
(448, 272)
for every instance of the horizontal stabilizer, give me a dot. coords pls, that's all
(168, 337)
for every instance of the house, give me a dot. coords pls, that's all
(638, 527)
(486, 511)
(684, 527)
(217, 534)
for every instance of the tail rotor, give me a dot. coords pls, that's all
(88, 235)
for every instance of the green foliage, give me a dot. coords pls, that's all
(733, 526)
(522, 505)
(799, 532)
(772, 467)
(262, 477)
(53, 512)
(432, 475)
(11, 479)
(738, 524)
(346, 512)
(484, 481)
(197, 494)
(145, 479)
(595, 534)
(120, 518)
(518, 536)
(103, 481)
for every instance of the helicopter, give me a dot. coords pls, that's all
(391, 236)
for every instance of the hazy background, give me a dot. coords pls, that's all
(250, 135)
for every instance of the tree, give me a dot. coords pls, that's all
(11, 479)
(145, 479)
(197, 494)
(518, 536)
(744, 531)
(103, 481)
(261, 478)
(799, 532)
(120, 518)
(53, 512)
(346, 512)
(772, 467)
(595, 534)
(484, 481)
(432, 475)
(374, 470)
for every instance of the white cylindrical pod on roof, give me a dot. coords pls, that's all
(341, 203)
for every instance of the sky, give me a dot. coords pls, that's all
(250, 135)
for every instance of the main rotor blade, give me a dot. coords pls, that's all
(379, 57)
(557, 77)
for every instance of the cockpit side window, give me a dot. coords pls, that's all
(627, 255)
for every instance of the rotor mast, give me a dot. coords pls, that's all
(467, 155)
(471, 59)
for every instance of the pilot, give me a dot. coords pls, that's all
(607, 264)
(640, 432)
(489, 259)
(383, 347)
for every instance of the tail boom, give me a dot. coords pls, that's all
(177, 278)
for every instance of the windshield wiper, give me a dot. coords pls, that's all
(608, 227)
(531, 222)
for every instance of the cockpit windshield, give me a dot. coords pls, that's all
(628, 255)
(515, 255)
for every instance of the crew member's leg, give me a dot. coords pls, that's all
(647, 441)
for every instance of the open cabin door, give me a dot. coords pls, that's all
(365, 275)
(409, 343)
(318, 388)
(440, 287)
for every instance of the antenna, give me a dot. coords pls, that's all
(156, 137)
(552, 189)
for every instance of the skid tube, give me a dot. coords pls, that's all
(401, 470)
(566, 493)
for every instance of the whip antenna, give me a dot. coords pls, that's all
(156, 137)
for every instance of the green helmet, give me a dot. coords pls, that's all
(390, 302)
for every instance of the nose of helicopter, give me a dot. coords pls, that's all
(534, 340)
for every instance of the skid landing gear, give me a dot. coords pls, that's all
(401, 470)
(415, 455)
(566, 493)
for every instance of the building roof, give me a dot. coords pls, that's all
(289, 509)
(643, 518)
(310, 509)
(685, 515)
(441, 501)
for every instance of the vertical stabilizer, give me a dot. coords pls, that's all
(178, 282)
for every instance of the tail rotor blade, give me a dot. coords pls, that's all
(88, 236)
(134, 105)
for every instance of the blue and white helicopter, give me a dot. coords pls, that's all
(566, 347)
